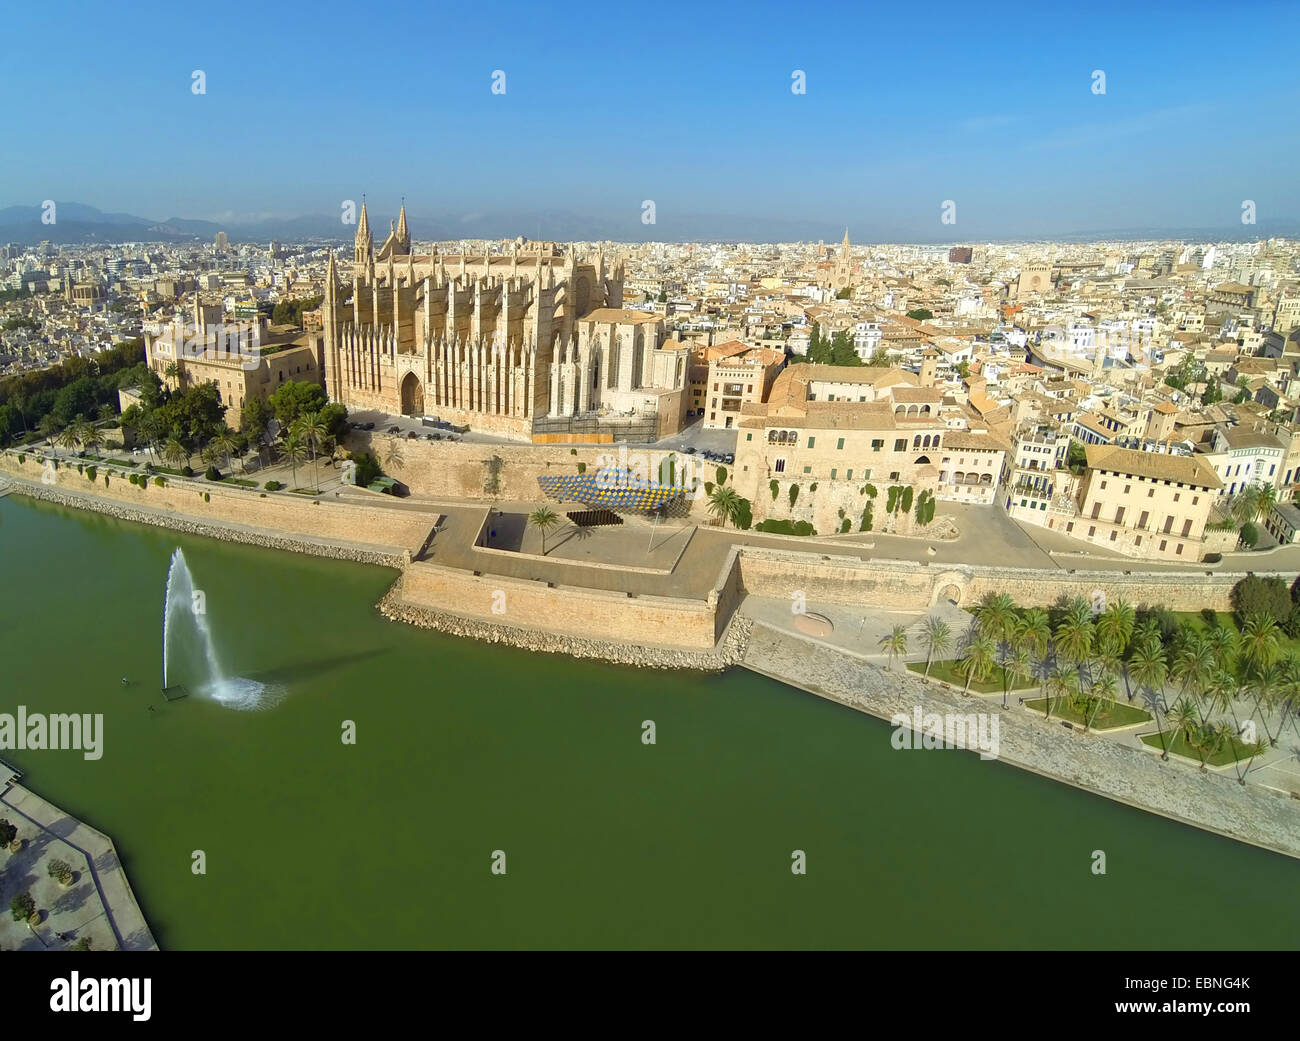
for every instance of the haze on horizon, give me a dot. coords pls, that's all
(689, 107)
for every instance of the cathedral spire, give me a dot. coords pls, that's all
(365, 242)
(402, 234)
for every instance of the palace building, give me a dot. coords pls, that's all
(520, 343)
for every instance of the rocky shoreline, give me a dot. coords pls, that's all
(189, 526)
(730, 650)
(1125, 773)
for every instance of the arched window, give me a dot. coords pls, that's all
(916, 441)
(925, 410)
(986, 479)
(959, 478)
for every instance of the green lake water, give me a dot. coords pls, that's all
(466, 748)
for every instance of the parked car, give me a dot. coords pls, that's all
(368, 426)
(394, 430)
(411, 435)
(690, 450)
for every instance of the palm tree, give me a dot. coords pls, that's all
(1015, 667)
(996, 616)
(67, 437)
(312, 431)
(977, 658)
(1259, 641)
(1222, 642)
(543, 518)
(1115, 626)
(1065, 683)
(1266, 499)
(1148, 668)
(1074, 634)
(1034, 631)
(225, 443)
(176, 453)
(295, 451)
(937, 637)
(90, 436)
(724, 503)
(210, 455)
(1186, 721)
(1245, 504)
(1194, 664)
(894, 643)
(1102, 691)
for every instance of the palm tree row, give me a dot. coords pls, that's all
(1082, 659)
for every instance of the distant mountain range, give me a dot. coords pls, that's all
(79, 223)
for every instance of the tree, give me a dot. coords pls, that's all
(1034, 631)
(60, 870)
(1115, 626)
(312, 432)
(977, 657)
(175, 452)
(1249, 535)
(7, 833)
(48, 428)
(1074, 635)
(996, 616)
(920, 314)
(1259, 642)
(292, 448)
(1076, 458)
(225, 444)
(1148, 668)
(22, 906)
(1257, 595)
(724, 503)
(894, 643)
(294, 397)
(937, 637)
(367, 469)
(1016, 669)
(543, 518)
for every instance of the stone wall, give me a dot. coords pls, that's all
(593, 613)
(470, 470)
(282, 512)
(907, 585)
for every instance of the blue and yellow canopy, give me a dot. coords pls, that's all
(609, 489)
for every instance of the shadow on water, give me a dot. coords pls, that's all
(287, 674)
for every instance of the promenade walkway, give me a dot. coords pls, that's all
(99, 904)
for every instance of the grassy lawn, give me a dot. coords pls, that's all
(306, 491)
(948, 671)
(239, 481)
(1112, 714)
(1231, 752)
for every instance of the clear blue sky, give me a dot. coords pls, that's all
(686, 104)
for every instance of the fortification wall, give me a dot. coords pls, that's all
(232, 504)
(908, 585)
(593, 613)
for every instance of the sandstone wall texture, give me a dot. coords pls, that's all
(1123, 772)
(595, 613)
(279, 512)
(908, 585)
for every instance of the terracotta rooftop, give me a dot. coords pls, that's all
(1156, 465)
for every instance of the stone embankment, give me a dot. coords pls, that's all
(211, 529)
(1126, 773)
(729, 651)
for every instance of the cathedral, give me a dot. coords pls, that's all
(508, 343)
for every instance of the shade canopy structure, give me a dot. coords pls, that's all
(611, 490)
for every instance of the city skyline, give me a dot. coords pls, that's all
(707, 127)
